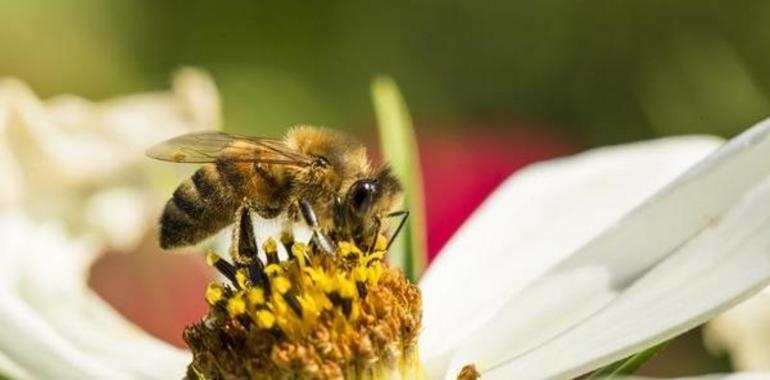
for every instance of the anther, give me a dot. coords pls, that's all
(242, 278)
(271, 251)
(214, 293)
(236, 306)
(265, 319)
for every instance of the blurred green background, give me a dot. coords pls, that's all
(592, 72)
(602, 71)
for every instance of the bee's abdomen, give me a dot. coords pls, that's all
(200, 207)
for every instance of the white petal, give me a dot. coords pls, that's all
(41, 351)
(75, 140)
(48, 311)
(120, 215)
(531, 222)
(12, 184)
(55, 154)
(199, 95)
(12, 370)
(720, 266)
(726, 376)
(610, 264)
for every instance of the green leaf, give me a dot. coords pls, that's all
(628, 365)
(399, 147)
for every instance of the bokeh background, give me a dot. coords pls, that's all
(491, 86)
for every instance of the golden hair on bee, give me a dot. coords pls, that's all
(326, 170)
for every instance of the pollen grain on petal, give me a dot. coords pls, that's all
(469, 372)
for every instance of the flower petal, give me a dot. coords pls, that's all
(61, 157)
(47, 310)
(724, 263)
(74, 140)
(25, 339)
(55, 154)
(11, 370)
(730, 376)
(530, 223)
(640, 248)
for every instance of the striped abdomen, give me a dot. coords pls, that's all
(206, 203)
(201, 206)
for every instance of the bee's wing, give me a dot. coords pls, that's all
(203, 147)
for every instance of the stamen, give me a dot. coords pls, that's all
(236, 306)
(317, 315)
(265, 319)
(291, 300)
(242, 278)
(214, 293)
(227, 269)
(271, 251)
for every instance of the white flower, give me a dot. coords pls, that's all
(576, 263)
(73, 180)
(735, 376)
(54, 326)
(570, 265)
(67, 157)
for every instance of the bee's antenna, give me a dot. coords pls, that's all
(311, 219)
(404, 214)
(378, 224)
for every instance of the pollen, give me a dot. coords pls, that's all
(236, 306)
(264, 319)
(213, 293)
(313, 315)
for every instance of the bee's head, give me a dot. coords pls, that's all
(368, 199)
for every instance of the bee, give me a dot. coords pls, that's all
(318, 174)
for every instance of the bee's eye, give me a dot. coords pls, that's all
(361, 195)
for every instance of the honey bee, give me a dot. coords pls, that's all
(318, 174)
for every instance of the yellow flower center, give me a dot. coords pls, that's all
(314, 315)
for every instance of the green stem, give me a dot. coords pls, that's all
(399, 147)
(628, 365)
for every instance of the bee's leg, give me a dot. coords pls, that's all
(404, 214)
(287, 233)
(339, 216)
(245, 247)
(311, 219)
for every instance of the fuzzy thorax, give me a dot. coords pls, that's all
(313, 316)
